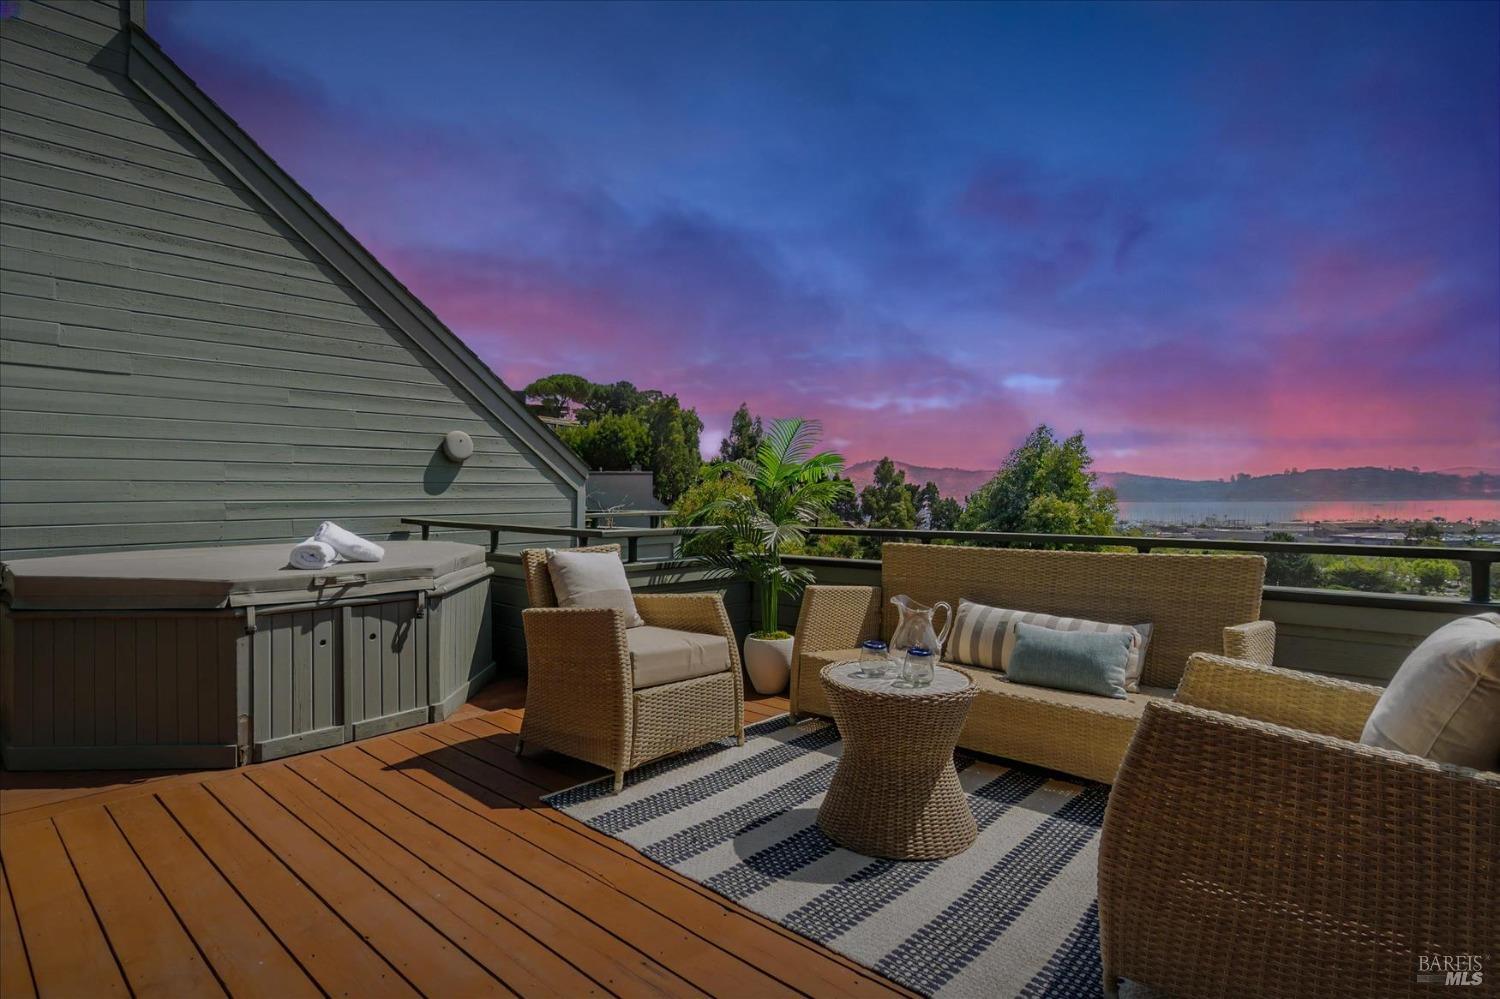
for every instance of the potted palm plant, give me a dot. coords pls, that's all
(783, 491)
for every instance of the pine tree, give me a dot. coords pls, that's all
(744, 437)
(887, 502)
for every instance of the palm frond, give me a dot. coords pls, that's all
(792, 487)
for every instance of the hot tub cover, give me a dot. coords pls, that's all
(231, 576)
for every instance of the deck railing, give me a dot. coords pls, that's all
(1479, 560)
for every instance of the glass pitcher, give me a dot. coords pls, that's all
(915, 627)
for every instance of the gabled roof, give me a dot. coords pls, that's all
(165, 83)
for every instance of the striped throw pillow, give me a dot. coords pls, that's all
(985, 636)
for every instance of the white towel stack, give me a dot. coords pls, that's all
(331, 543)
(349, 545)
(313, 554)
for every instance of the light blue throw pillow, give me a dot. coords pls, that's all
(1086, 661)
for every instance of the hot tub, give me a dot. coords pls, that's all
(214, 657)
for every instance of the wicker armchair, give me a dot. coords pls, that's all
(581, 698)
(1253, 848)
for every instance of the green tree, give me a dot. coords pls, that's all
(935, 511)
(791, 488)
(927, 496)
(557, 395)
(887, 502)
(744, 437)
(714, 484)
(846, 507)
(1044, 486)
(1433, 575)
(1291, 568)
(607, 437)
(619, 398)
(1361, 572)
(945, 514)
(1424, 532)
(611, 443)
(672, 451)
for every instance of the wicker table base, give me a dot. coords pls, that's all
(895, 792)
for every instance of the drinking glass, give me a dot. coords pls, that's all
(874, 659)
(916, 669)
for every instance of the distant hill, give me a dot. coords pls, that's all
(1312, 484)
(955, 482)
(1367, 483)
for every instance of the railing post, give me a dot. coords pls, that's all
(632, 551)
(1479, 581)
(426, 531)
(494, 541)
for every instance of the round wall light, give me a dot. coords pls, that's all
(458, 446)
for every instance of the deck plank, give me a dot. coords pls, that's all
(70, 955)
(26, 804)
(449, 770)
(401, 776)
(335, 956)
(415, 858)
(15, 969)
(156, 954)
(243, 953)
(509, 954)
(767, 945)
(423, 956)
(576, 940)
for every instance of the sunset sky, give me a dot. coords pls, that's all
(1214, 237)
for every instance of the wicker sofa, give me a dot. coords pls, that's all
(1253, 847)
(589, 695)
(1195, 603)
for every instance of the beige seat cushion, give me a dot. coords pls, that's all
(988, 682)
(1082, 734)
(592, 579)
(662, 655)
(1132, 706)
(1444, 701)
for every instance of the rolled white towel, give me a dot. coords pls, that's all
(348, 544)
(313, 554)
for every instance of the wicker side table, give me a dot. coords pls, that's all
(895, 792)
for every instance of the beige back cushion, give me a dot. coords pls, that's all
(592, 579)
(1189, 599)
(1444, 701)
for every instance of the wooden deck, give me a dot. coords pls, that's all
(418, 862)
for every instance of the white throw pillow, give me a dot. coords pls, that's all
(592, 579)
(1444, 701)
(984, 636)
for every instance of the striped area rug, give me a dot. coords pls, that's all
(1014, 915)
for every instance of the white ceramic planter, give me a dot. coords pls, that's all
(769, 663)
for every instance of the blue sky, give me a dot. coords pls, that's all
(1215, 237)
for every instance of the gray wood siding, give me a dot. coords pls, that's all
(177, 365)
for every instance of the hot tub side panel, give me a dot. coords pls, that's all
(116, 691)
(86, 690)
(463, 646)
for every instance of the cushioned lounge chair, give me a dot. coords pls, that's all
(1253, 847)
(620, 697)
